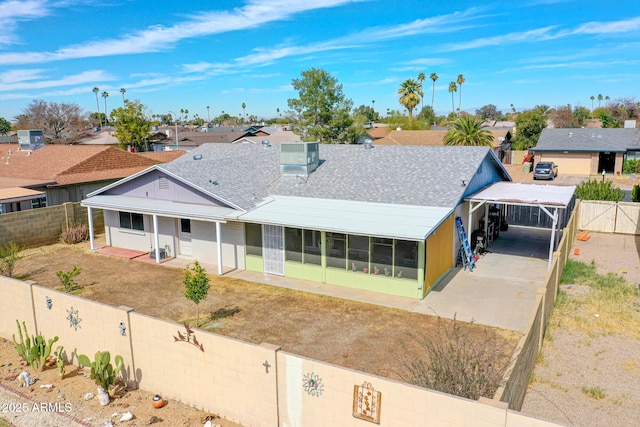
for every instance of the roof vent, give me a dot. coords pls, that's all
(197, 157)
(368, 144)
(266, 143)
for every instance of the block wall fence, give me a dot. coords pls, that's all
(42, 226)
(251, 384)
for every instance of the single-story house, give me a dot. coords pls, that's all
(55, 174)
(435, 137)
(588, 151)
(379, 218)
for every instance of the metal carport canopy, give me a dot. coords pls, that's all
(546, 197)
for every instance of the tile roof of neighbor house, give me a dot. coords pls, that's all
(429, 137)
(245, 175)
(71, 164)
(588, 140)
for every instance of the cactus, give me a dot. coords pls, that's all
(102, 371)
(34, 350)
(60, 361)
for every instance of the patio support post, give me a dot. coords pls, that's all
(219, 246)
(156, 238)
(91, 237)
(486, 224)
(554, 216)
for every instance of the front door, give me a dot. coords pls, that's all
(184, 237)
(273, 237)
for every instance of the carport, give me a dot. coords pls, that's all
(549, 198)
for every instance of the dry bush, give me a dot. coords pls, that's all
(75, 234)
(457, 363)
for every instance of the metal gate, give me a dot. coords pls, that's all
(273, 238)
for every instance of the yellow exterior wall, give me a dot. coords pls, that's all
(438, 253)
(569, 163)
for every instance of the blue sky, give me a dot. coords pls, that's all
(189, 55)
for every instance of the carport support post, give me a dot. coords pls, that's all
(91, 237)
(553, 231)
(219, 244)
(156, 238)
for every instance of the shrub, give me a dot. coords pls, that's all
(196, 285)
(66, 278)
(458, 364)
(635, 193)
(9, 255)
(75, 234)
(631, 166)
(599, 190)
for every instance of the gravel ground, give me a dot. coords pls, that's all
(574, 368)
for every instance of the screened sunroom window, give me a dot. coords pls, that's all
(359, 253)
(336, 250)
(293, 244)
(406, 259)
(312, 247)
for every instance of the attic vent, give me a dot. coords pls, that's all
(163, 183)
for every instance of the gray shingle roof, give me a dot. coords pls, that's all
(589, 140)
(247, 173)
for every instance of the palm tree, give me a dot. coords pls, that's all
(607, 99)
(422, 78)
(409, 95)
(243, 112)
(600, 98)
(433, 77)
(592, 98)
(469, 131)
(460, 80)
(105, 94)
(208, 116)
(122, 91)
(96, 90)
(453, 87)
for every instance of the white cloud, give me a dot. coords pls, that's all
(159, 38)
(72, 80)
(13, 11)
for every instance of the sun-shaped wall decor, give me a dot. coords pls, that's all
(312, 384)
(74, 319)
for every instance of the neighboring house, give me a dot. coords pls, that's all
(588, 151)
(377, 218)
(67, 173)
(435, 138)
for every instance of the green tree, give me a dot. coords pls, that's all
(368, 112)
(460, 80)
(607, 119)
(469, 131)
(421, 78)
(105, 95)
(95, 92)
(529, 125)
(453, 88)
(433, 78)
(489, 112)
(196, 284)
(9, 256)
(427, 114)
(321, 112)
(410, 94)
(5, 126)
(581, 115)
(132, 126)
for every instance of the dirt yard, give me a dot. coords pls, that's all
(593, 378)
(355, 335)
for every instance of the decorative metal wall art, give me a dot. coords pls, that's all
(49, 302)
(74, 319)
(366, 403)
(189, 337)
(312, 384)
(123, 329)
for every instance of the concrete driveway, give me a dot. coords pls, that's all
(501, 290)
